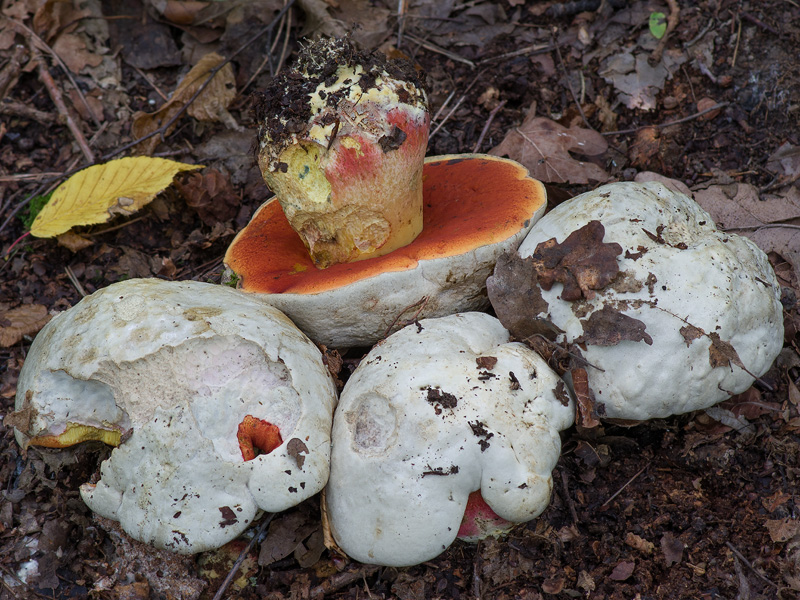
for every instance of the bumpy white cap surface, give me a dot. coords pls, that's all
(438, 410)
(690, 284)
(175, 367)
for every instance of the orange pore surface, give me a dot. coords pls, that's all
(469, 202)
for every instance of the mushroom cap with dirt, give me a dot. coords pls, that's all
(440, 410)
(190, 381)
(667, 313)
(475, 208)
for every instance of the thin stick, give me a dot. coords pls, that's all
(74, 281)
(401, 21)
(27, 176)
(455, 108)
(242, 556)
(339, 580)
(572, 511)
(27, 31)
(434, 48)
(485, 129)
(569, 84)
(58, 100)
(157, 89)
(736, 48)
(532, 50)
(759, 23)
(749, 565)
(672, 22)
(697, 115)
(627, 483)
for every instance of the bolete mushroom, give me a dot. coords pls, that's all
(665, 312)
(342, 139)
(217, 404)
(438, 411)
(476, 208)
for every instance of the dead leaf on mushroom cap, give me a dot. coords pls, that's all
(583, 263)
(609, 327)
(296, 448)
(544, 146)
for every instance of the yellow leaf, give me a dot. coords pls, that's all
(97, 193)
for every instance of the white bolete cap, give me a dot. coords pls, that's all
(439, 410)
(680, 316)
(190, 381)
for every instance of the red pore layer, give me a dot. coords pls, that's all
(480, 520)
(257, 436)
(469, 202)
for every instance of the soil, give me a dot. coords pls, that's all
(685, 507)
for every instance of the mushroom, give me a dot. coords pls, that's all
(342, 139)
(440, 410)
(217, 404)
(476, 207)
(665, 312)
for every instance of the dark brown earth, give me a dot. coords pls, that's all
(684, 507)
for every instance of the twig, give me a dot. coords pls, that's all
(476, 572)
(443, 106)
(147, 80)
(749, 565)
(434, 48)
(58, 100)
(572, 510)
(27, 176)
(780, 183)
(340, 580)
(627, 483)
(758, 22)
(401, 21)
(569, 83)
(485, 129)
(532, 50)
(455, 108)
(25, 30)
(242, 556)
(672, 22)
(736, 48)
(74, 281)
(697, 115)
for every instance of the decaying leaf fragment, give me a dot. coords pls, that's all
(609, 327)
(99, 192)
(583, 263)
(21, 321)
(544, 147)
(211, 105)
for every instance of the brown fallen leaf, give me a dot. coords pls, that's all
(517, 299)
(21, 321)
(622, 571)
(771, 220)
(582, 262)
(782, 530)
(297, 448)
(211, 105)
(586, 416)
(609, 327)
(544, 147)
(211, 195)
(73, 241)
(672, 549)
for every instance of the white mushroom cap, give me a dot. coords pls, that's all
(422, 423)
(703, 296)
(175, 367)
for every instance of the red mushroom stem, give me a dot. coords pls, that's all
(257, 436)
(480, 521)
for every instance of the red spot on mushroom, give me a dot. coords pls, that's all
(256, 435)
(480, 521)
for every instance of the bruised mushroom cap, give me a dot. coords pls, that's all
(677, 317)
(476, 207)
(439, 410)
(186, 375)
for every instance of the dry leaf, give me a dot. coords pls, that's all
(738, 208)
(785, 161)
(72, 241)
(297, 448)
(782, 530)
(544, 147)
(211, 195)
(609, 327)
(97, 193)
(672, 549)
(622, 571)
(211, 105)
(21, 321)
(638, 543)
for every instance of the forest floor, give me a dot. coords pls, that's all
(684, 507)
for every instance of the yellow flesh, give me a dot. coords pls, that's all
(75, 434)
